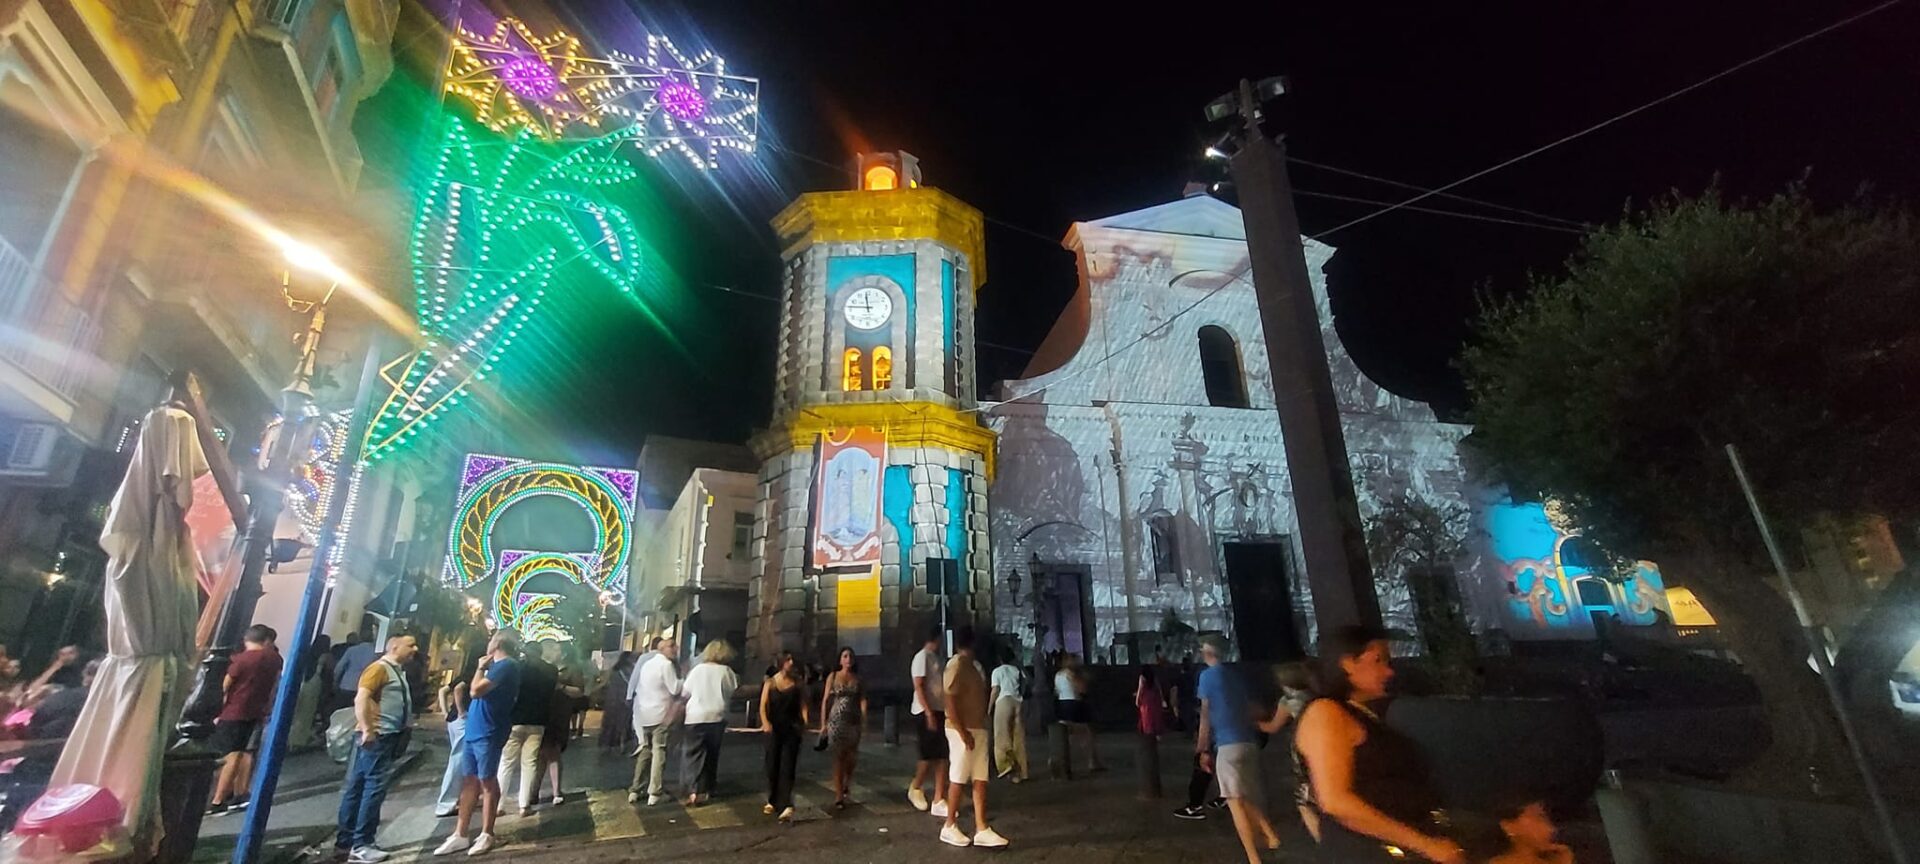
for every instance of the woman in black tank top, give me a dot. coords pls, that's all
(1368, 782)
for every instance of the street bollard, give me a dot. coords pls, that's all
(890, 725)
(1149, 765)
(1059, 757)
(1625, 820)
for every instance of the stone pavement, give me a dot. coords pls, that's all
(1096, 818)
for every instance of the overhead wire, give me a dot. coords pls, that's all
(1471, 216)
(1572, 223)
(1888, 4)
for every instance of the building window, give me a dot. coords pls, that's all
(742, 535)
(850, 378)
(39, 164)
(1220, 367)
(1166, 551)
(882, 368)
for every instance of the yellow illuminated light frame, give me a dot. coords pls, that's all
(619, 91)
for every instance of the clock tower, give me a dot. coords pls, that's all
(876, 354)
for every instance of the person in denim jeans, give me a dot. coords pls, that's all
(383, 713)
(453, 704)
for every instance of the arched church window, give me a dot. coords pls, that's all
(850, 377)
(882, 368)
(1220, 368)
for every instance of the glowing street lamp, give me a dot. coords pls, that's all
(305, 265)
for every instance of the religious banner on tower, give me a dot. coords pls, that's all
(846, 504)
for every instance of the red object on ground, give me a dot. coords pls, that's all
(79, 815)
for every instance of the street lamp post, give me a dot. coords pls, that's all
(267, 496)
(1331, 541)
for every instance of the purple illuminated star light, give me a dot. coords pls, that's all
(530, 78)
(682, 102)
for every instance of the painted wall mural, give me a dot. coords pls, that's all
(490, 486)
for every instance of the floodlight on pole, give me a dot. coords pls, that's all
(1330, 536)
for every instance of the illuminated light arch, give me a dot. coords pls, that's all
(528, 612)
(491, 485)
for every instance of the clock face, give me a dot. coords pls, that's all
(868, 308)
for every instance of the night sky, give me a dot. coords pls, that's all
(1042, 114)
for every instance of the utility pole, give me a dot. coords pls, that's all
(1323, 497)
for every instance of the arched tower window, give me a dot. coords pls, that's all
(1220, 367)
(850, 377)
(882, 368)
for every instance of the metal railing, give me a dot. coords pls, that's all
(281, 14)
(41, 331)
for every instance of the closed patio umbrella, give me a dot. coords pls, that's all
(151, 604)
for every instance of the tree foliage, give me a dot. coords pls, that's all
(1407, 534)
(1776, 327)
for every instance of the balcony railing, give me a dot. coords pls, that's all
(278, 14)
(45, 334)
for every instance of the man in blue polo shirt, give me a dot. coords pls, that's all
(495, 686)
(1227, 729)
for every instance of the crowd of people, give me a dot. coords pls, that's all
(1358, 787)
(46, 706)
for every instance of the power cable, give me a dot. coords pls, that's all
(1617, 117)
(1456, 214)
(1571, 223)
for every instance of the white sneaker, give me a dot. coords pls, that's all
(987, 838)
(482, 845)
(917, 798)
(938, 810)
(633, 797)
(454, 843)
(786, 815)
(655, 799)
(559, 799)
(368, 855)
(953, 836)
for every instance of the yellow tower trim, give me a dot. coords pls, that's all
(906, 424)
(919, 213)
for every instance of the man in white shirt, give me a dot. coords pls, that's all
(654, 706)
(1009, 728)
(930, 720)
(633, 682)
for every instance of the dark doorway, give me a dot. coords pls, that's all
(1257, 585)
(1061, 612)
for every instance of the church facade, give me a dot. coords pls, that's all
(1142, 486)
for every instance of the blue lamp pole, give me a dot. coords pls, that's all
(273, 745)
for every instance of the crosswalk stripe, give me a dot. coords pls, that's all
(726, 814)
(886, 800)
(613, 817)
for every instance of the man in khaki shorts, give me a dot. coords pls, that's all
(966, 689)
(1227, 730)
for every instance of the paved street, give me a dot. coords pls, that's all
(1095, 819)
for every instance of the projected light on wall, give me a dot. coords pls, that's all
(1556, 579)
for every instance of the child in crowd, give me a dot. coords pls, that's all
(1530, 835)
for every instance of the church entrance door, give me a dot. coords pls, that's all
(1262, 606)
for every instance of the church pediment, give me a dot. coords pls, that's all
(1197, 216)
